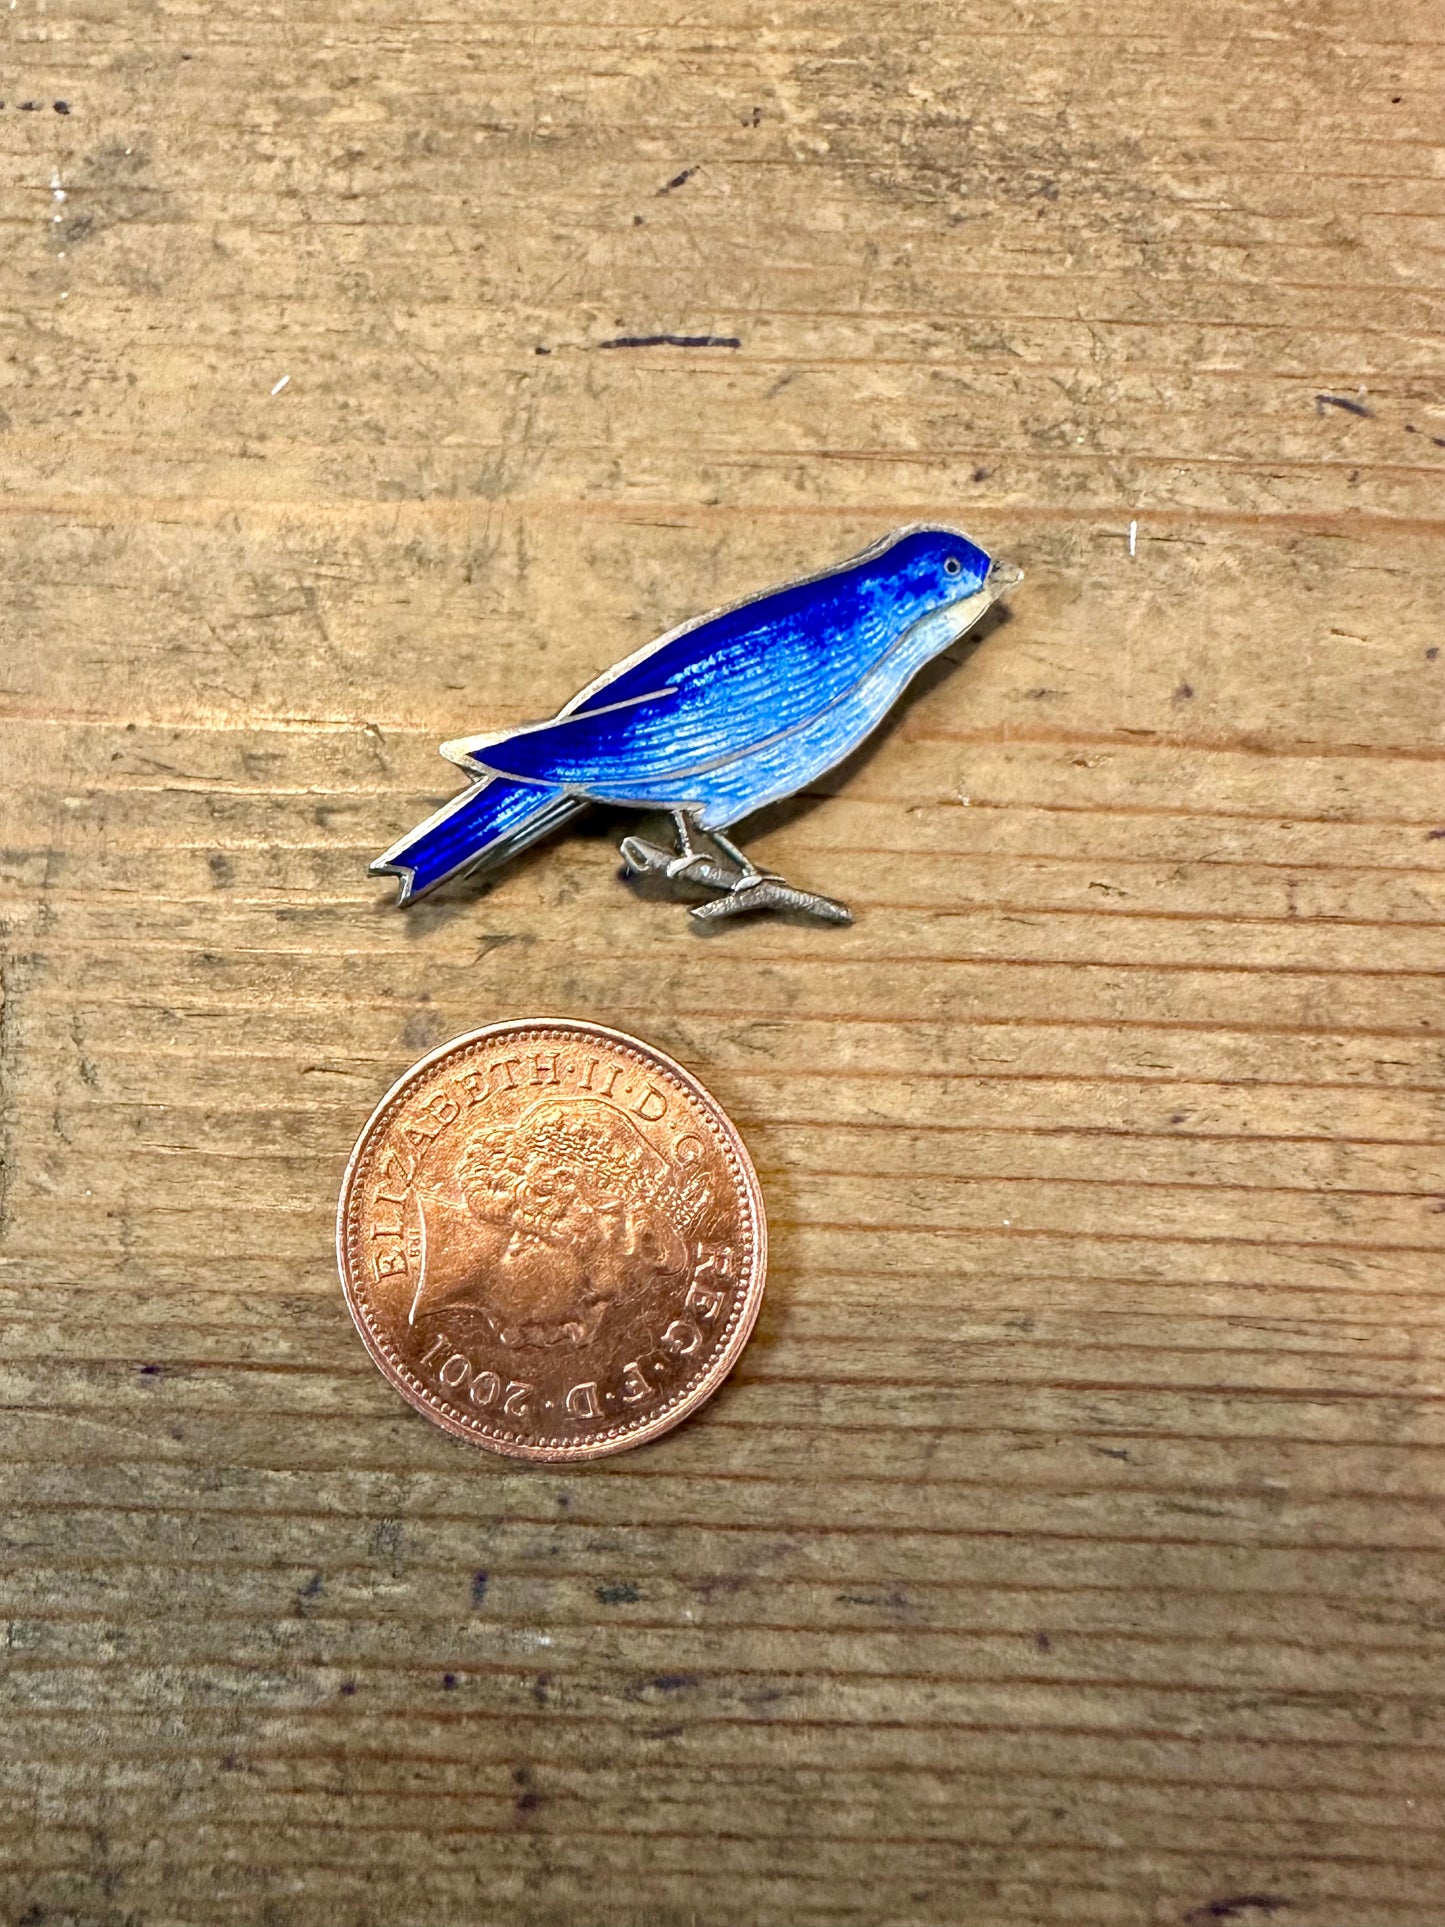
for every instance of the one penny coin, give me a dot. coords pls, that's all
(552, 1240)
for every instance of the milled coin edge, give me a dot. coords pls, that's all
(401, 1378)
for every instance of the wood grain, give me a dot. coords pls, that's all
(1069, 1546)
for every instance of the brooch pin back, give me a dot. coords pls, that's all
(716, 719)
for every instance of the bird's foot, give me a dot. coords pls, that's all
(739, 890)
(694, 866)
(763, 891)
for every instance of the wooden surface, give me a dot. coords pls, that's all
(1069, 1546)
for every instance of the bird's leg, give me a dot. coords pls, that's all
(695, 865)
(750, 873)
(747, 888)
(689, 856)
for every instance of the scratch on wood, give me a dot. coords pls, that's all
(1346, 402)
(673, 341)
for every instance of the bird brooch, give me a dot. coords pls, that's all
(712, 721)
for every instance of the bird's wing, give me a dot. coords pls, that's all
(633, 741)
(699, 697)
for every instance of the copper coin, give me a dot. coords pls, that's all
(552, 1240)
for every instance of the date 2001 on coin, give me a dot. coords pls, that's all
(552, 1240)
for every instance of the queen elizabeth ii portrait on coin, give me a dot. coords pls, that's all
(550, 1219)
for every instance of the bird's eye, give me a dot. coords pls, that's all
(953, 566)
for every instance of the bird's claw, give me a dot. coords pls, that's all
(690, 860)
(644, 858)
(739, 891)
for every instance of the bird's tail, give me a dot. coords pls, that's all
(484, 826)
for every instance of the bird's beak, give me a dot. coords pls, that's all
(961, 616)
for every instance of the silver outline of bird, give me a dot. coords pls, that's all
(718, 718)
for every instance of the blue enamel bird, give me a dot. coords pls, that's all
(714, 720)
